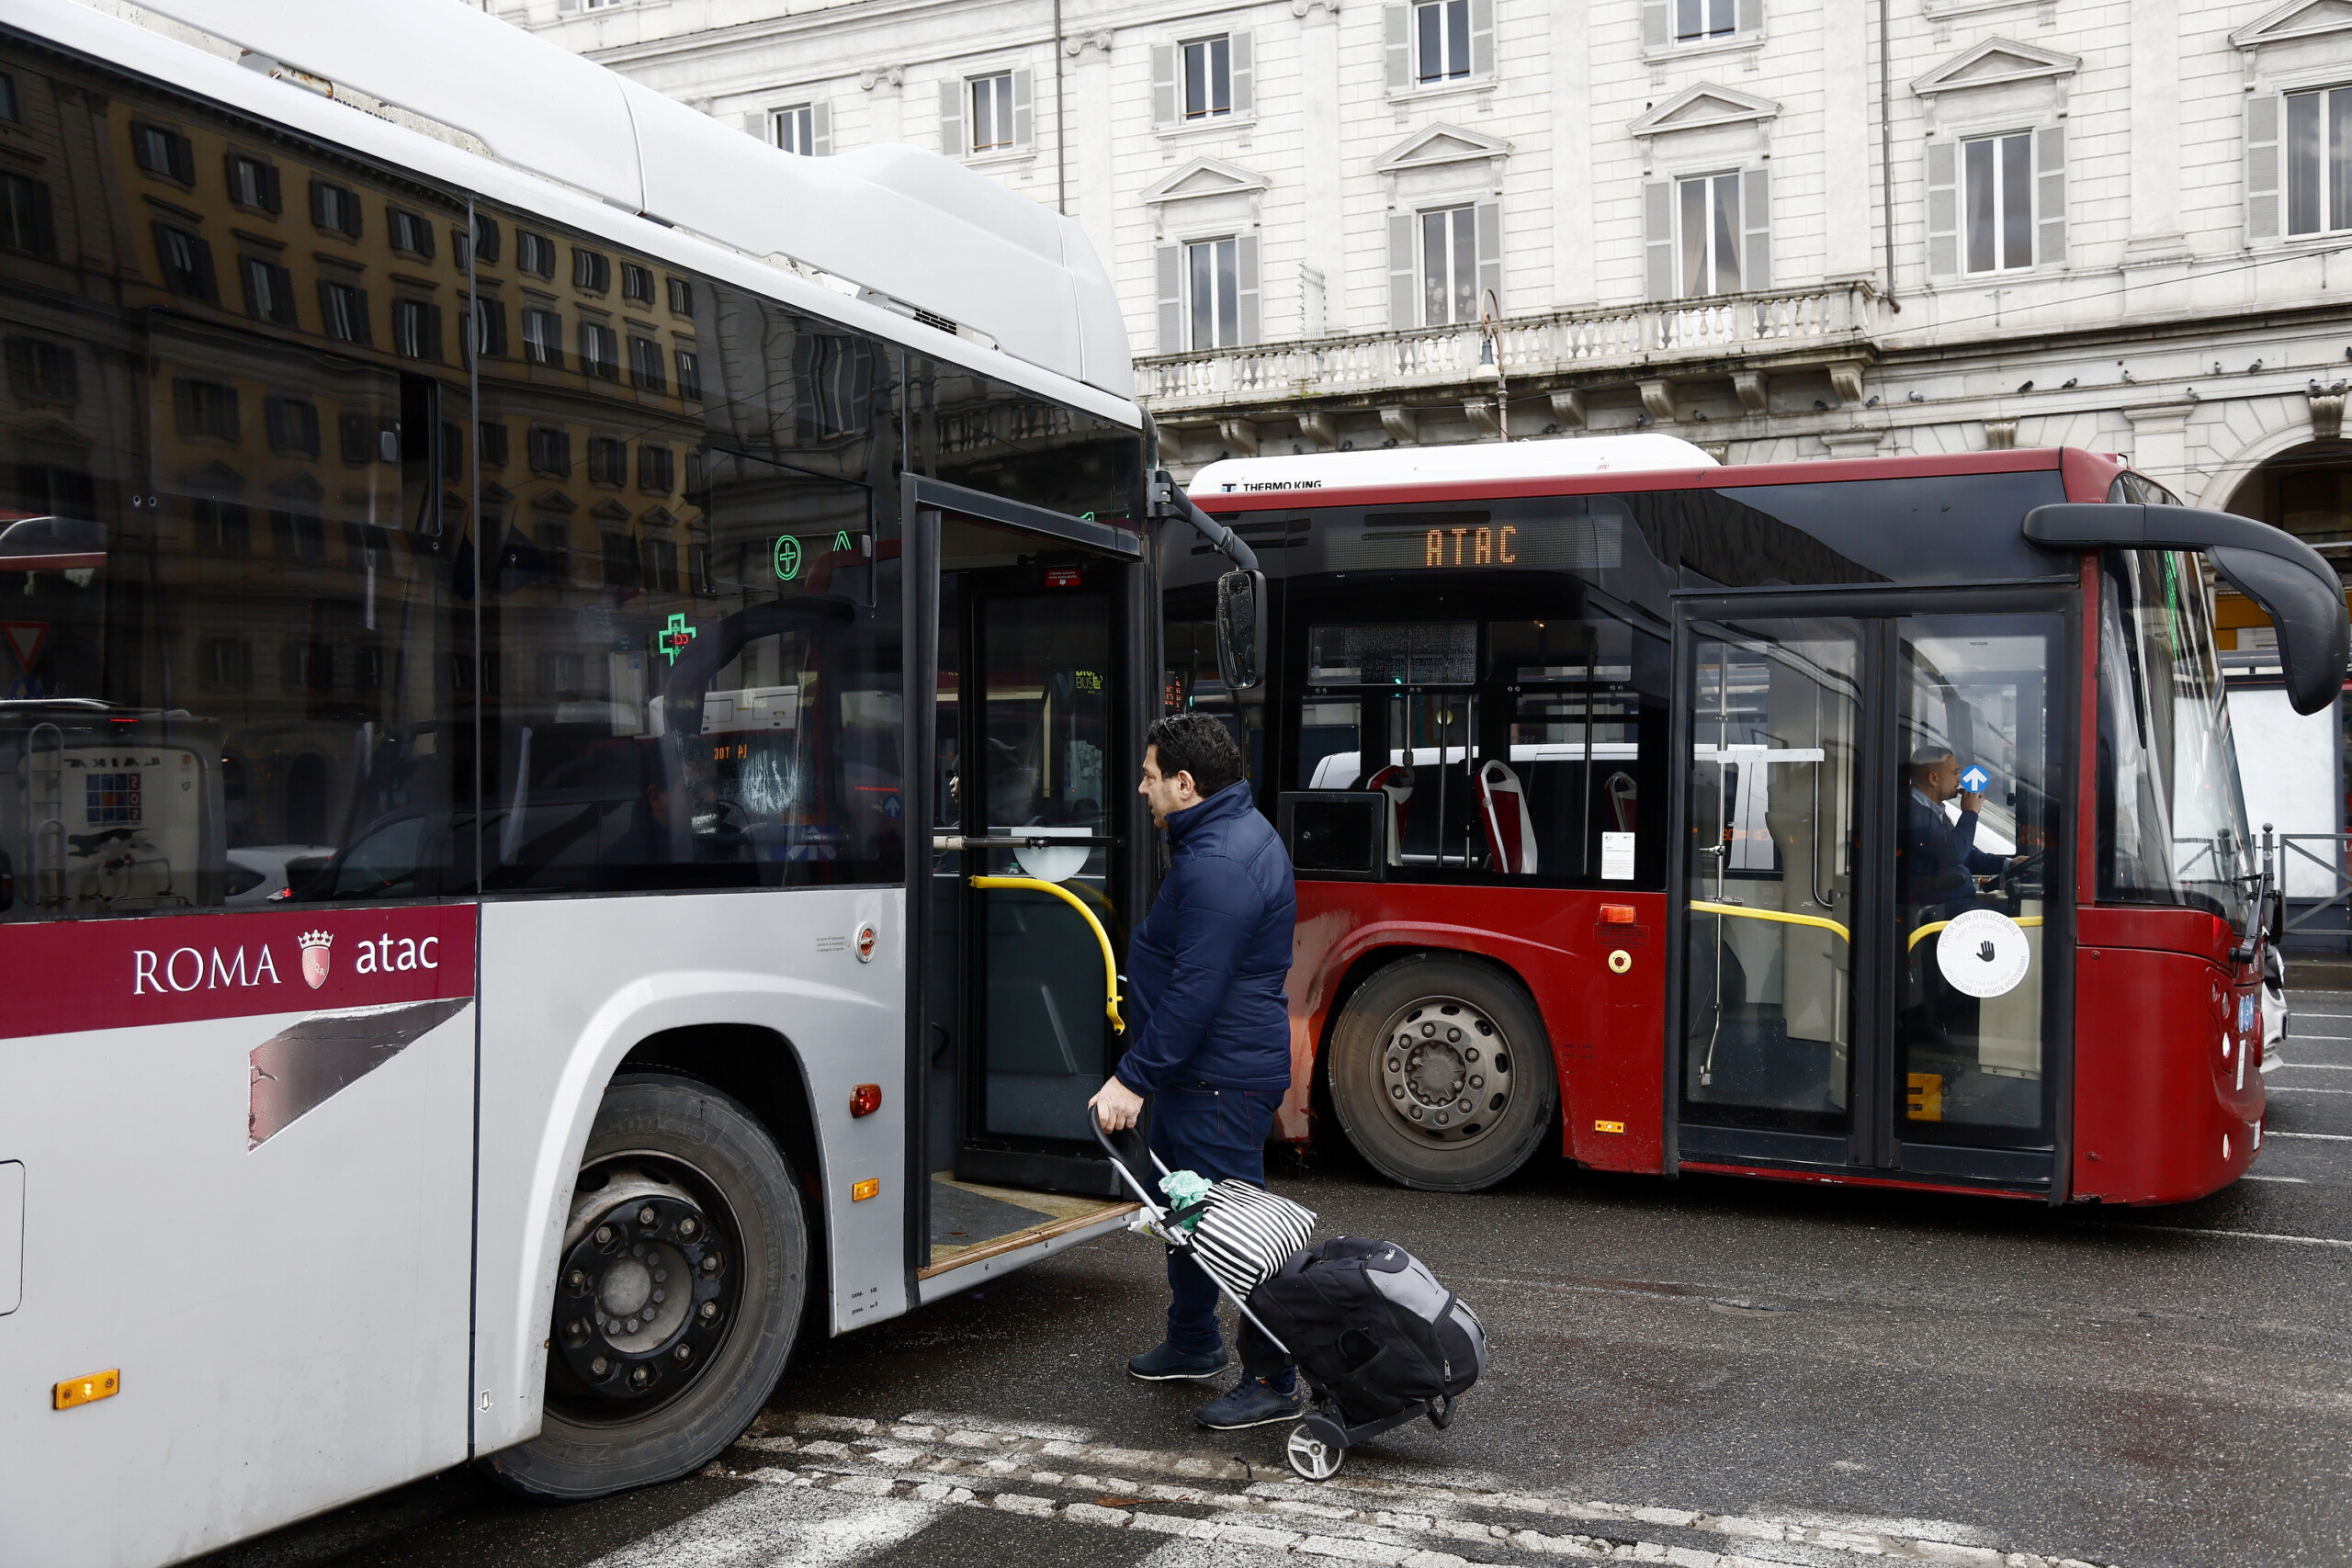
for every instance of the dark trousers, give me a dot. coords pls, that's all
(1219, 1134)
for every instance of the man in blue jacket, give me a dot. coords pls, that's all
(1205, 969)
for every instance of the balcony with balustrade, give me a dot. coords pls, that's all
(1651, 365)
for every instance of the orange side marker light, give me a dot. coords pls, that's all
(88, 1390)
(864, 1190)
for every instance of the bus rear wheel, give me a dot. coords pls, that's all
(679, 1288)
(1442, 1075)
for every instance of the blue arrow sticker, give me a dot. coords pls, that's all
(1975, 780)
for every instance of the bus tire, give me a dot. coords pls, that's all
(677, 1178)
(1442, 1075)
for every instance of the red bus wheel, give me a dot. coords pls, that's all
(1442, 1075)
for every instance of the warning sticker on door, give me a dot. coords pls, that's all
(1617, 857)
(1984, 954)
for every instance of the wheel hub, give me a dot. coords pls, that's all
(1445, 1070)
(645, 1290)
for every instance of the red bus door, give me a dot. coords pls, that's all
(1872, 904)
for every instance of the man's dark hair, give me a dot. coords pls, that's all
(1192, 742)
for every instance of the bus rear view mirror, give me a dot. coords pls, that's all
(1241, 629)
(2293, 583)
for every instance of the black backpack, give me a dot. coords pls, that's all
(1368, 1323)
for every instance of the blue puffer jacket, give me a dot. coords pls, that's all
(1206, 968)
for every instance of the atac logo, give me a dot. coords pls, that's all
(318, 958)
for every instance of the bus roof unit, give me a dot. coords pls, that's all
(1567, 457)
(931, 236)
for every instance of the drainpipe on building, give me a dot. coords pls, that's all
(1061, 155)
(1886, 149)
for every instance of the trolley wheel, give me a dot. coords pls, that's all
(679, 1288)
(1315, 1448)
(1442, 1075)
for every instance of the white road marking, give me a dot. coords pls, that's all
(2315, 1067)
(766, 1527)
(2324, 1137)
(1375, 1514)
(2298, 1180)
(2241, 1235)
(2301, 1089)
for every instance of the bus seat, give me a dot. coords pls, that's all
(1395, 782)
(1510, 829)
(1623, 796)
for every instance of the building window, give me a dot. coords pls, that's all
(485, 239)
(227, 664)
(8, 98)
(416, 329)
(2318, 161)
(1707, 215)
(1449, 266)
(619, 560)
(636, 283)
(40, 371)
(591, 270)
(550, 451)
(1441, 39)
(543, 337)
(656, 469)
(188, 263)
(645, 365)
(300, 535)
(1996, 202)
(1208, 77)
(490, 328)
(534, 254)
(223, 526)
(608, 460)
(252, 181)
(164, 152)
(689, 375)
(796, 130)
(699, 567)
(453, 462)
(293, 425)
(334, 208)
(25, 217)
(555, 550)
(660, 564)
(991, 111)
(560, 673)
(207, 410)
(489, 441)
(411, 235)
(600, 351)
(1695, 20)
(269, 291)
(1213, 294)
(343, 307)
(682, 296)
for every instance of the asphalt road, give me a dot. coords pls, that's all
(1705, 1372)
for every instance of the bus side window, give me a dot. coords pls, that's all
(1584, 750)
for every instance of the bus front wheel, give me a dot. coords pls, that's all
(679, 1287)
(1442, 1075)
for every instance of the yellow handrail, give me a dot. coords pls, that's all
(1110, 965)
(1783, 915)
(1934, 926)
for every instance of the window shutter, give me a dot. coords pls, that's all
(1482, 38)
(1163, 86)
(1169, 261)
(1943, 209)
(1755, 223)
(821, 130)
(1403, 298)
(1397, 24)
(1245, 287)
(1653, 24)
(951, 118)
(269, 193)
(1244, 89)
(1021, 109)
(1752, 16)
(2262, 167)
(1490, 254)
(2050, 196)
(767, 125)
(1658, 239)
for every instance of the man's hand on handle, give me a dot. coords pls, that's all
(1115, 1106)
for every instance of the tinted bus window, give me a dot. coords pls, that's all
(234, 647)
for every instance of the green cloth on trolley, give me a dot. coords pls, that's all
(1182, 1188)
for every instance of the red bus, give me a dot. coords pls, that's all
(1865, 821)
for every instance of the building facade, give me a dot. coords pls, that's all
(1848, 228)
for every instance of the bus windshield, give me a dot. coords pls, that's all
(2172, 821)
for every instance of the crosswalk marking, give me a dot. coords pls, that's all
(878, 1481)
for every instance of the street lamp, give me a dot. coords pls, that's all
(1490, 356)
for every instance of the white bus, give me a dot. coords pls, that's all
(506, 584)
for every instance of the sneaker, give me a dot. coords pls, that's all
(1165, 1363)
(1254, 1402)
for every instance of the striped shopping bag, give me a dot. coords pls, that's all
(1247, 1233)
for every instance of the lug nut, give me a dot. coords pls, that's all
(710, 1263)
(683, 1354)
(603, 1236)
(577, 1280)
(641, 1377)
(600, 1366)
(659, 1297)
(645, 1215)
(660, 1275)
(1471, 1055)
(576, 1329)
(686, 1227)
(709, 1311)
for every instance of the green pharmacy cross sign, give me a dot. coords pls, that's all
(676, 638)
(791, 555)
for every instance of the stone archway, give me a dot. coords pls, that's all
(2301, 485)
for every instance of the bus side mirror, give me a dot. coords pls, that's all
(1241, 629)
